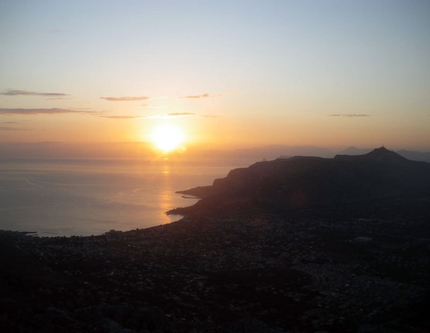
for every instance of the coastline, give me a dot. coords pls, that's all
(274, 271)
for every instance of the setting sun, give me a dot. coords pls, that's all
(167, 137)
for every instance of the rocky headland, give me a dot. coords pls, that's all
(313, 182)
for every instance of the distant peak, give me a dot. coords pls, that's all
(384, 153)
(352, 150)
(381, 150)
(380, 154)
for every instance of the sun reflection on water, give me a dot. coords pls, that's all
(166, 197)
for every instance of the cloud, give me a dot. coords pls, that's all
(125, 99)
(172, 115)
(121, 117)
(200, 96)
(14, 129)
(180, 114)
(348, 115)
(4, 111)
(12, 92)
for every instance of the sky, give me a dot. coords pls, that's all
(230, 74)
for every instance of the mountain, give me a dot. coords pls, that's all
(274, 151)
(410, 155)
(355, 151)
(415, 155)
(307, 182)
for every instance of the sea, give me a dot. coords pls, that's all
(83, 197)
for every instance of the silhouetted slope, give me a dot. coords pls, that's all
(410, 155)
(415, 155)
(301, 182)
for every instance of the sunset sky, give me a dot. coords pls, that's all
(230, 74)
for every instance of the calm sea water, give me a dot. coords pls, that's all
(90, 197)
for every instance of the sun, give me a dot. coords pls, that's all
(167, 137)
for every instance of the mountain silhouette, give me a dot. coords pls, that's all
(352, 150)
(307, 182)
(410, 155)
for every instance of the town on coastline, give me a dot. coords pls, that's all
(341, 269)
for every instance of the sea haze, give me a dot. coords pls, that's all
(90, 197)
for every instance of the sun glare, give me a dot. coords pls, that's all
(167, 137)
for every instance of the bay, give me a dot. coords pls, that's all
(90, 197)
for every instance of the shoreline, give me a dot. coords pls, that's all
(300, 272)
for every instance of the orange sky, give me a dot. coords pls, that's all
(229, 74)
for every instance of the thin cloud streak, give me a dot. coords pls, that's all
(348, 115)
(200, 96)
(28, 112)
(180, 114)
(158, 117)
(120, 117)
(125, 99)
(172, 115)
(15, 129)
(12, 92)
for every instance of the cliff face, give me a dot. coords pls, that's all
(305, 182)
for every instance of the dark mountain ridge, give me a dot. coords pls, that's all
(409, 154)
(308, 182)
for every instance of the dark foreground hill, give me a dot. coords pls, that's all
(310, 182)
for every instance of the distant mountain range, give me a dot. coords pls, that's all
(284, 151)
(306, 182)
(142, 150)
(410, 155)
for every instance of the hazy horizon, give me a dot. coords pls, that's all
(144, 151)
(222, 75)
(90, 197)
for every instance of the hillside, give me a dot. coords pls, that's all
(309, 182)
